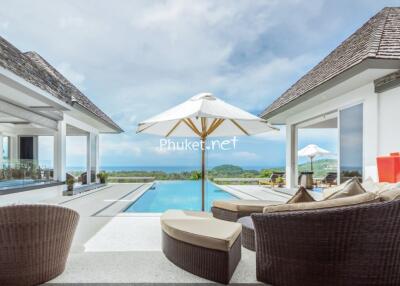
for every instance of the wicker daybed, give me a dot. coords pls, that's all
(34, 242)
(232, 210)
(198, 243)
(353, 245)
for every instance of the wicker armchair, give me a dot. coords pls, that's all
(358, 245)
(34, 242)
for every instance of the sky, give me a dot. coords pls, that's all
(134, 59)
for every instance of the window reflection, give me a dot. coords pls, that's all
(351, 143)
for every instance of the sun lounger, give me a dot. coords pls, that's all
(201, 244)
(232, 210)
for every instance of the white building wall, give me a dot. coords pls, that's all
(389, 121)
(374, 142)
(370, 134)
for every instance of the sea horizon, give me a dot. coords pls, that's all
(166, 169)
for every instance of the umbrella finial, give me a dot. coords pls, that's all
(203, 95)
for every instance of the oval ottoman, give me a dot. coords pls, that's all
(198, 243)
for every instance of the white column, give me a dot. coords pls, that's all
(92, 153)
(1, 151)
(291, 156)
(35, 148)
(13, 148)
(60, 140)
(371, 136)
(97, 152)
(89, 157)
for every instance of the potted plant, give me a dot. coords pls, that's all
(280, 182)
(102, 177)
(70, 185)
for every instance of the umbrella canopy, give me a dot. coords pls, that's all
(208, 115)
(204, 116)
(311, 151)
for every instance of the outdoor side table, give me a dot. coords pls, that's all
(248, 237)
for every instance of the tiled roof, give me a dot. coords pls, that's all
(378, 38)
(37, 71)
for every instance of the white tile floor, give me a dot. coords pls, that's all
(118, 248)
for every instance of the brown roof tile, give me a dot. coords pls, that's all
(37, 71)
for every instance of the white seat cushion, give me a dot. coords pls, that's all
(244, 205)
(201, 229)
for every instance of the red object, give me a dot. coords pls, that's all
(389, 168)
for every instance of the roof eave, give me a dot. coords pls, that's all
(368, 63)
(83, 109)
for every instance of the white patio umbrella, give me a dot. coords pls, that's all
(311, 151)
(204, 116)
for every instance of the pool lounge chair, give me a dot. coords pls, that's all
(330, 179)
(34, 242)
(273, 178)
(198, 243)
(232, 210)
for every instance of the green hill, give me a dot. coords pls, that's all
(320, 167)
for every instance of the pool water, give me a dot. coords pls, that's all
(183, 195)
(16, 183)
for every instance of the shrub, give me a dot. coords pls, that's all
(102, 177)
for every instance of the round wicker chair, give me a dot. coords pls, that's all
(347, 246)
(34, 242)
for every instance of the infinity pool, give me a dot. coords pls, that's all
(184, 195)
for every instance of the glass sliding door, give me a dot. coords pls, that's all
(351, 142)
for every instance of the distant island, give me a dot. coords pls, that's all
(321, 167)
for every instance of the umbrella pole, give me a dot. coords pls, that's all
(311, 158)
(203, 170)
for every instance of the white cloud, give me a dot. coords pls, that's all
(71, 22)
(120, 148)
(4, 25)
(273, 135)
(245, 155)
(137, 58)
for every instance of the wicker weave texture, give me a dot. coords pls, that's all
(215, 265)
(348, 246)
(34, 242)
(248, 236)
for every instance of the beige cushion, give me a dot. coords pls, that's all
(370, 186)
(350, 188)
(332, 190)
(201, 229)
(326, 204)
(244, 205)
(390, 194)
(301, 196)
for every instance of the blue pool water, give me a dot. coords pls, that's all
(184, 195)
(17, 183)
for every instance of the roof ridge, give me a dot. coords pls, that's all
(69, 85)
(387, 10)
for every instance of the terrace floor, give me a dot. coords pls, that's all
(114, 247)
